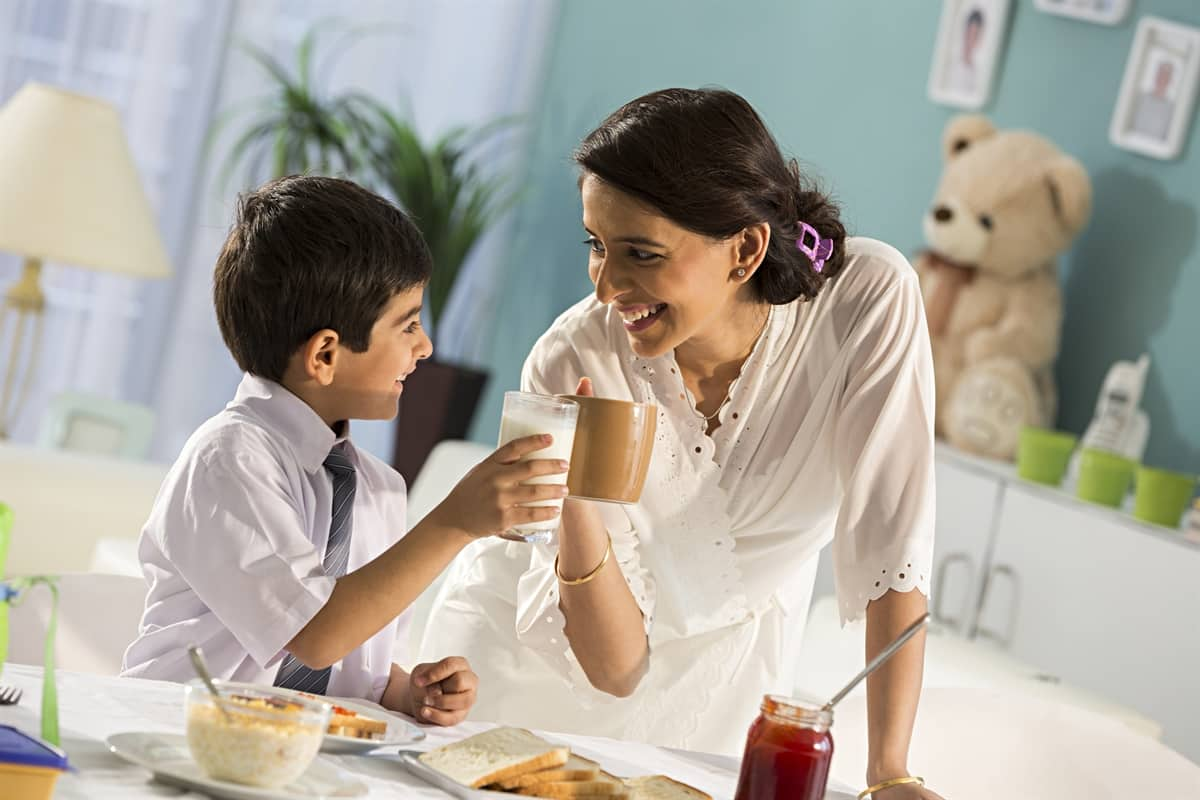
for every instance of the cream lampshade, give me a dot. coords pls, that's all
(69, 192)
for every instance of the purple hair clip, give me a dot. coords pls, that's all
(819, 250)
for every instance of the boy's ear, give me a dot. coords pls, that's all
(319, 356)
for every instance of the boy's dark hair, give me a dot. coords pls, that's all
(307, 253)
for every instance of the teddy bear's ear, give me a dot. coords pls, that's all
(1070, 192)
(963, 131)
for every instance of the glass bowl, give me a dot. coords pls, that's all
(265, 737)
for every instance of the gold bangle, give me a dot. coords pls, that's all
(879, 787)
(590, 575)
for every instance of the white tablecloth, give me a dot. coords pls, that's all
(93, 707)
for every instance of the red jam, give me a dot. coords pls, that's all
(788, 752)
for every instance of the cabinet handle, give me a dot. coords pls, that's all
(939, 581)
(1006, 639)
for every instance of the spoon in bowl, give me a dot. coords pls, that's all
(201, 668)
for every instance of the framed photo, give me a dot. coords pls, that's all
(970, 39)
(1158, 91)
(1106, 12)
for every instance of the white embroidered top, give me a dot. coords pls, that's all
(828, 435)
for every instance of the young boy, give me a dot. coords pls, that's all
(273, 543)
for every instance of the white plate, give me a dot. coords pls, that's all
(399, 730)
(413, 763)
(167, 756)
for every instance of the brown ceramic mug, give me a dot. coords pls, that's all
(614, 440)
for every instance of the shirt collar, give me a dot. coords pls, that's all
(778, 330)
(289, 417)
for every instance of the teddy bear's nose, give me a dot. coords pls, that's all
(943, 214)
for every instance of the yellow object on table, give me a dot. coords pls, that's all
(29, 767)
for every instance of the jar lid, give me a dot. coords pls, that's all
(799, 711)
(18, 747)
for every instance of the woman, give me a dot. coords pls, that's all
(791, 369)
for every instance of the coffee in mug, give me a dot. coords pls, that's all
(614, 440)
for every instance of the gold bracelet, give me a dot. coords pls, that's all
(879, 787)
(590, 575)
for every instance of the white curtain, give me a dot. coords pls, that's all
(169, 67)
(449, 62)
(157, 62)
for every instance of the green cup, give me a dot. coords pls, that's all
(1162, 496)
(1104, 477)
(1042, 455)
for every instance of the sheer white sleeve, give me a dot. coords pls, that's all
(885, 457)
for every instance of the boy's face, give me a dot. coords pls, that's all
(368, 385)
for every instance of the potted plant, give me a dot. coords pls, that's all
(441, 184)
(295, 129)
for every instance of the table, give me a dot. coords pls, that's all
(92, 707)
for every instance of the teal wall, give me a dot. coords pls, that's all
(842, 84)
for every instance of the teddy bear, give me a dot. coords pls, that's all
(1008, 203)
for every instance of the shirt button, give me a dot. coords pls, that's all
(698, 450)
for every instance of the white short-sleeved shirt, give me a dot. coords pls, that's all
(233, 548)
(828, 435)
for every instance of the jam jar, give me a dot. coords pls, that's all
(788, 752)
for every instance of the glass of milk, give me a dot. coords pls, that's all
(527, 414)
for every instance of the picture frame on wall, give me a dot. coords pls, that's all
(1105, 12)
(1158, 90)
(970, 41)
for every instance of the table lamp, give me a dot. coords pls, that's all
(69, 192)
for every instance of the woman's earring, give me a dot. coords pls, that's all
(741, 273)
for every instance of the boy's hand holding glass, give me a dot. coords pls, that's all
(491, 498)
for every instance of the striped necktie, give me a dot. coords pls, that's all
(293, 674)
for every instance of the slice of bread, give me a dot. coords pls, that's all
(357, 725)
(660, 787)
(495, 755)
(577, 768)
(603, 785)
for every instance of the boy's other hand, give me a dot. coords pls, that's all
(442, 693)
(489, 499)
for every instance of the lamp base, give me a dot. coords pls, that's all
(24, 302)
(26, 294)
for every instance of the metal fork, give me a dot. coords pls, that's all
(10, 695)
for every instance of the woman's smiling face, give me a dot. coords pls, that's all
(669, 284)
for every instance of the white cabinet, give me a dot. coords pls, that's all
(968, 502)
(1100, 601)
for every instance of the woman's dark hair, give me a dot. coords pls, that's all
(705, 160)
(307, 253)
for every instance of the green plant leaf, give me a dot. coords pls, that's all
(443, 185)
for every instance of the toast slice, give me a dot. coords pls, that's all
(603, 785)
(349, 723)
(577, 768)
(494, 756)
(660, 787)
